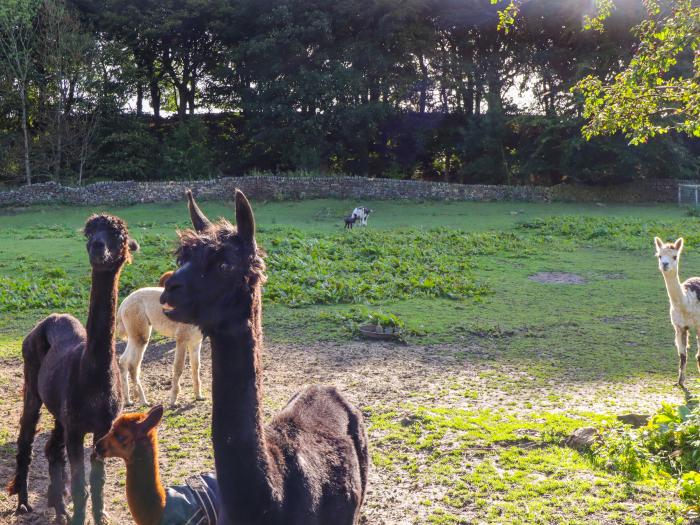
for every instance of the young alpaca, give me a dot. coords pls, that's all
(74, 373)
(138, 314)
(134, 438)
(309, 465)
(684, 298)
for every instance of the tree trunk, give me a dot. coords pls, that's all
(59, 154)
(182, 96)
(423, 84)
(25, 132)
(190, 98)
(493, 97)
(139, 99)
(58, 157)
(155, 97)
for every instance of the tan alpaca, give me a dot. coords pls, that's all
(685, 301)
(137, 315)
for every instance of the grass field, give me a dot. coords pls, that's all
(468, 414)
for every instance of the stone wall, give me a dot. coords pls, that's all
(648, 190)
(354, 188)
(266, 188)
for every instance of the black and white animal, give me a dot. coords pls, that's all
(350, 221)
(361, 214)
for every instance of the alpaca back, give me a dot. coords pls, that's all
(142, 308)
(325, 441)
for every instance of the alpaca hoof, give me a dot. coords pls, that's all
(128, 403)
(103, 519)
(199, 398)
(23, 508)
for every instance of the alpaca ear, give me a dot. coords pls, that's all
(199, 220)
(164, 278)
(245, 221)
(152, 419)
(659, 243)
(133, 245)
(678, 245)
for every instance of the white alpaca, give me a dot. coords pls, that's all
(137, 315)
(685, 301)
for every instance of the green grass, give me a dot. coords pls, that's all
(458, 276)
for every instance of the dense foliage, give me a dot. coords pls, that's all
(125, 89)
(658, 90)
(304, 270)
(668, 445)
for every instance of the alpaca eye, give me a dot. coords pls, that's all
(675, 257)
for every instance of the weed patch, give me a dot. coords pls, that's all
(613, 232)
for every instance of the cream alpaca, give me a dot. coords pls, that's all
(137, 315)
(685, 301)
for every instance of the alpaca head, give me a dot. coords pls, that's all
(668, 253)
(218, 267)
(127, 432)
(108, 243)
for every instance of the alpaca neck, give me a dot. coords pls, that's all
(144, 490)
(243, 464)
(101, 321)
(673, 287)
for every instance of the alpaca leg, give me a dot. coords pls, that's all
(124, 373)
(97, 483)
(74, 445)
(132, 357)
(27, 430)
(178, 366)
(135, 371)
(195, 350)
(697, 356)
(681, 346)
(55, 454)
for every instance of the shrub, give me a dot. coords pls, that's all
(186, 152)
(668, 446)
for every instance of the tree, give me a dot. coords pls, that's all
(65, 53)
(17, 41)
(659, 90)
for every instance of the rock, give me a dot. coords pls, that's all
(636, 420)
(582, 438)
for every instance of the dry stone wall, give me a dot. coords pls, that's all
(354, 188)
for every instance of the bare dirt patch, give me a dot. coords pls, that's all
(557, 278)
(373, 375)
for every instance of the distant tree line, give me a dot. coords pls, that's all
(431, 89)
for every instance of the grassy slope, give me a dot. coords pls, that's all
(611, 331)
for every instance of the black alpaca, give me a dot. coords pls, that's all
(309, 465)
(75, 374)
(350, 221)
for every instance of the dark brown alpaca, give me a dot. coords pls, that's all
(309, 465)
(75, 374)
